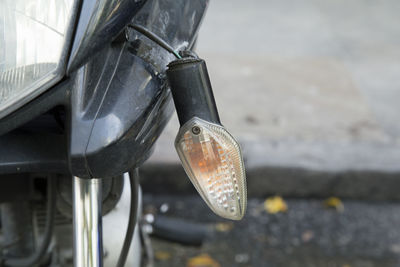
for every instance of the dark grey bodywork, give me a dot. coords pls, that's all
(114, 100)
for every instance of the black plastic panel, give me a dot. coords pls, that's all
(99, 23)
(116, 103)
(120, 101)
(23, 152)
(119, 107)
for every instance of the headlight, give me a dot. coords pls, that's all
(33, 43)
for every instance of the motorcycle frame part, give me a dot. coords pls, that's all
(18, 222)
(112, 189)
(17, 229)
(87, 222)
(16, 187)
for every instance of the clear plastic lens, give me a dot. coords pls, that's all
(32, 38)
(213, 162)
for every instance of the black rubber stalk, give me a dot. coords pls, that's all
(134, 181)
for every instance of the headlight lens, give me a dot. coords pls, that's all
(33, 42)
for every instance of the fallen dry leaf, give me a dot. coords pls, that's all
(162, 255)
(334, 202)
(275, 204)
(224, 227)
(307, 236)
(203, 260)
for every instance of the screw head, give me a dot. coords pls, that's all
(196, 130)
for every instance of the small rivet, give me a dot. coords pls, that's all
(196, 130)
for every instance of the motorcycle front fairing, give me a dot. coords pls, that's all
(113, 102)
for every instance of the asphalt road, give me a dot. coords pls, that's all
(308, 234)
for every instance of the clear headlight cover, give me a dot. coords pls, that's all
(32, 46)
(212, 159)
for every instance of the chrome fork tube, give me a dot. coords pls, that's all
(88, 242)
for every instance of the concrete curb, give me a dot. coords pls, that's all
(295, 169)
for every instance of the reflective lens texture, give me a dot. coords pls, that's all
(32, 38)
(213, 162)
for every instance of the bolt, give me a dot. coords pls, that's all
(196, 130)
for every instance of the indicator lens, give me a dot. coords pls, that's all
(212, 159)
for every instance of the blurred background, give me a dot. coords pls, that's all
(311, 89)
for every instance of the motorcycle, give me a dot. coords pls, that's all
(86, 88)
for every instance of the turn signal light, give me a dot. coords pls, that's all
(210, 156)
(212, 159)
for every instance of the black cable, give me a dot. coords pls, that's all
(155, 39)
(37, 256)
(148, 249)
(134, 181)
